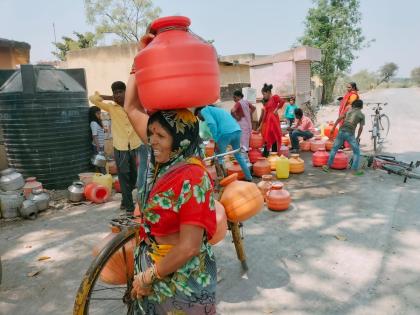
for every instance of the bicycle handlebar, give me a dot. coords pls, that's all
(220, 155)
(384, 104)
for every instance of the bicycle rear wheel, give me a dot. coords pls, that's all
(99, 293)
(384, 125)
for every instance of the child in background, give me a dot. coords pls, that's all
(289, 112)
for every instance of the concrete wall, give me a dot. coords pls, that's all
(105, 65)
(12, 56)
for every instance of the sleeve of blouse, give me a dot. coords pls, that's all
(198, 207)
(94, 128)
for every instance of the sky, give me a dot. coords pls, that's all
(258, 26)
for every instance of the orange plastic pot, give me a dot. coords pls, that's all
(272, 158)
(256, 141)
(278, 199)
(117, 186)
(261, 167)
(320, 158)
(305, 145)
(96, 193)
(254, 154)
(177, 69)
(317, 143)
(242, 200)
(296, 164)
(341, 161)
(236, 168)
(328, 145)
(221, 224)
(328, 129)
(119, 265)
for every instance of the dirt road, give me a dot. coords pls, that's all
(348, 245)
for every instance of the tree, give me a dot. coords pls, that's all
(415, 75)
(85, 40)
(334, 27)
(127, 19)
(387, 71)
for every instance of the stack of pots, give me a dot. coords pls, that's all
(11, 195)
(30, 184)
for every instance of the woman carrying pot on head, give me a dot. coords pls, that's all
(98, 134)
(270, 122)
(175, 268)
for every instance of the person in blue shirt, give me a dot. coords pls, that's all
(225, 131)
(289, 112)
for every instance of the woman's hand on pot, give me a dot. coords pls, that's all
(140, 288)
(145, 40)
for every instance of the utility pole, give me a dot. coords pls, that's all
(55, 38)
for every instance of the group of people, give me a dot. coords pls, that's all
(160, 154)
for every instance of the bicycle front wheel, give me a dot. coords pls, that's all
(107, 284)
(384, 125)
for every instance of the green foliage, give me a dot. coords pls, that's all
(415, 75)
(334, 27)
(387, 71)
(127, 19)
(85, 40)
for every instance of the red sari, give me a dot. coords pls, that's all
(346, 102)
(271, 130)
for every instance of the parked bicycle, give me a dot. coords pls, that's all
(392, 165)
(99, 294)
(380, 125)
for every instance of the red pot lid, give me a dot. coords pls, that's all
(168, 21)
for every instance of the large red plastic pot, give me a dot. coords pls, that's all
(320, 158)
(341, 161)
(254, 154)
(96, 193)
(177, 69)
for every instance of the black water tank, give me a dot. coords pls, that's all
(44, 121)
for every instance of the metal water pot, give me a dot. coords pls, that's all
(40, 198)
(76, 192)
(99, 160)
(11, 180)
(29, 210)
(11, 201)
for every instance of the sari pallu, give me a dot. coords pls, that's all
(182, 194)
(345, 103)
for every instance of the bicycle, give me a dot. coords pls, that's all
(391, 165)
(96, 295)
(380, 125)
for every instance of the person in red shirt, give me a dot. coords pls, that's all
(270, 122)
(304, 128)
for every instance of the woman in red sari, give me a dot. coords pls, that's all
(348, 99)
(270, 122)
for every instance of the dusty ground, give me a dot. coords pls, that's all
(348, 245)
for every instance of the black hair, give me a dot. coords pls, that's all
(197, 110)
(118, 85)
(354, 86)
(357, 104)
(191, 133)
(267, 87)
(238, 93)
(92, 115)
(298, 113)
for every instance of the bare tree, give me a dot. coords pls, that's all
(127, 19)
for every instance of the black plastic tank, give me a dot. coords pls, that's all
(44, 123)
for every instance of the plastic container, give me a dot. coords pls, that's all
(278, 199)
(328, 145)
(30, 183)
(282, 167)
(254, 154)
(317, 143)
(221, 224)
(177, 69)
(284, 150)
(120, 264)
(117, 185)
(256, 140)
(305, 145)
(328, 129)
(236, 168)
(341, 161)
(96, 193)
(86, 178)
(296, 164)
(261, 167)
(104, 180)
(320, 158)
(272, 158)
(265, 184)
(242, 200)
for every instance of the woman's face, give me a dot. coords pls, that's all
(266, 95)
(349, 87)
(98, 114)
(161, 142)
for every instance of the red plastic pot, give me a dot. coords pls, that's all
(96, 193)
